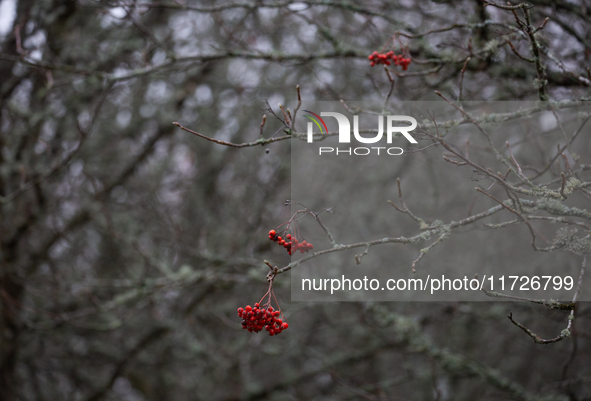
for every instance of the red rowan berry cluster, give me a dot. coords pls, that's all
(389, 58)
(263, 316)
(290, 243)
(257, 318)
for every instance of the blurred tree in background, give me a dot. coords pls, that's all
(126, 244)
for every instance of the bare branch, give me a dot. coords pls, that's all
(258, 142)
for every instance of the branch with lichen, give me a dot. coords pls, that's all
(551, 304)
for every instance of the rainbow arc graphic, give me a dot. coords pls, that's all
(317, 120)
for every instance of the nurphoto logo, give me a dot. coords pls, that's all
(345, 133)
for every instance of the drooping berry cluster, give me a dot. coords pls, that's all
(389, 58)
(290, 243)
(257, 318)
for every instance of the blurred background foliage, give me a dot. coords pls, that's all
(127, 244)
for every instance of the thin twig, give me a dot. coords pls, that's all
(295, 111)
(258, 142)
(462, 78)
(524, 219)
(571, 317)
(549, 304)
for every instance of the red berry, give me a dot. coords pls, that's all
(272, 232)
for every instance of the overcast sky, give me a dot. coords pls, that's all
(7, 15)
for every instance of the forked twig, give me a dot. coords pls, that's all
(571, 317)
